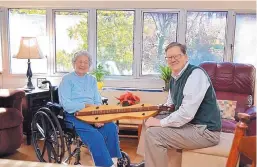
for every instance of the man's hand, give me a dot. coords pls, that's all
(152, 122)
(99, 125)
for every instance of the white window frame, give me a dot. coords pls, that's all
(233, 34)
(227, 29)
(136, 80)
(134, 68)
(7, 44)
(53, 71)
(179, 37)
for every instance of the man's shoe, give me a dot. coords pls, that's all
(141, 164)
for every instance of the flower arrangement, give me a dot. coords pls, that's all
(128, 99)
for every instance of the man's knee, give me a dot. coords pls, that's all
(151, 133)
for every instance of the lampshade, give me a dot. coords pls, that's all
(29, 49)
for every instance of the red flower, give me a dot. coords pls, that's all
(128, 99)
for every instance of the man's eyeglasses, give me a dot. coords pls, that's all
(176, 57)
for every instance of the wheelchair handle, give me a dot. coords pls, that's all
(50, 89)
(44, 82)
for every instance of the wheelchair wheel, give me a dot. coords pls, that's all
(124, 161)
(47, 136)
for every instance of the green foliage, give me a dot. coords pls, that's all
(205, 39)
(99, 73)
(64, 59)
(80, 32)
(165, 75)
(114, 37)
(28, 11)
(115, 40)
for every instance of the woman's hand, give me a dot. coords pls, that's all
(99, 125)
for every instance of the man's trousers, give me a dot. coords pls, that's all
(155, 141)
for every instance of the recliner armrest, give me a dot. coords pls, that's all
(251, 131)
(14, 94)
(252, 112)
(11, 98)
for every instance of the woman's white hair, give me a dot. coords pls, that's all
(82, 53)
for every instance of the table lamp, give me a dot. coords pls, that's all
(29, 49)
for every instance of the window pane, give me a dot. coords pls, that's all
(160, 29)
(22, 23)
(115, 41)
(71, 33)
(245, 39)
(205, 37)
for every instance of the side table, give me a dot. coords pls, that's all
(30, 104)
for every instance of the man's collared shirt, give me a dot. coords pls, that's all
(194, 92)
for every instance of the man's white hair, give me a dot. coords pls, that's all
(82, 53)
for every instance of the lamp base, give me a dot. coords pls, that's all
(29, 76)
(29, 86)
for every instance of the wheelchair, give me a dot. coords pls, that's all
(53, 134)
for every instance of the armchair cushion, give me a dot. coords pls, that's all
(243, 100)
(228, 126)
(10, 117)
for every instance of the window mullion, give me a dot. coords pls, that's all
(138, 34)
(92, 36)
(51, 44)
(230, 33)
(181, 29)
(6, 44)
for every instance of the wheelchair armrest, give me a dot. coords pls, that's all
(55, 105)
(71, 123)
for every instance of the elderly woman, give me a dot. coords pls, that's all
(78, 89)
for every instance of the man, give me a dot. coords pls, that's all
(78, 90)
(196, 121)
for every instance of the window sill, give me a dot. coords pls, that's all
(132, 89)
(133, 83)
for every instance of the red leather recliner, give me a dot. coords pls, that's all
(234, 81)
(11, 119)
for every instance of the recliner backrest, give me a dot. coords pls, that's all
(232, 81)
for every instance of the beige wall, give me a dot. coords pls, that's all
(146, 97)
